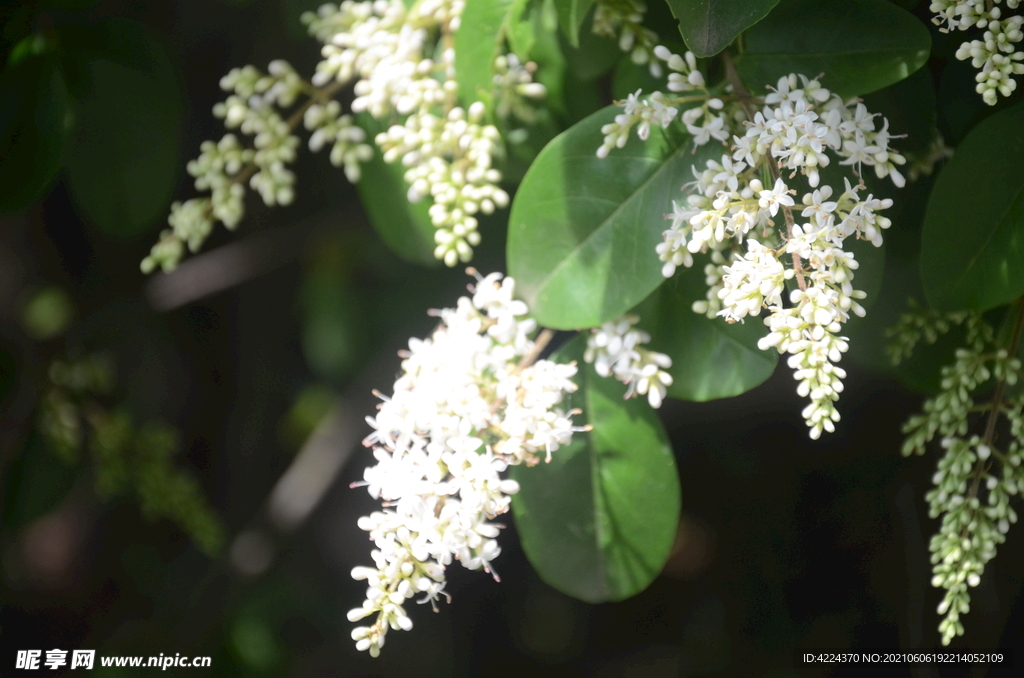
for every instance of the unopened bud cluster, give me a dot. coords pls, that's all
(797, 269)
(616, 348)
(470, 402)
(996, 54)
(976, 475)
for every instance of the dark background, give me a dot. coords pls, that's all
(784, 543)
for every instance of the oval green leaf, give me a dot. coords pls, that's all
(583, 230)
(972, 242)
(404, 227)
(598, 521)
(868, 45)
(708, 26)
(32, 135)
(123, 153)
(710, 358)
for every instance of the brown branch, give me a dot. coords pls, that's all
(996, 404)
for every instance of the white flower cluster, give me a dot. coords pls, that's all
(622, 20)
(713, 118)
(996, 54)
(732, 213)
(389, 52)
(468, 404)
(224, 167)
(616, 348)
(975, 479)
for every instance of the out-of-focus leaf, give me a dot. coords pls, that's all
(598, 521)
(33, 106)
(404, 226)
(571, 14)
(39, 480)
(708, 26)
(972, 244)
(593, 56)
(869, 44)
(480, 36)
(123, 153)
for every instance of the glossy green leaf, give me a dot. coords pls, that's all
(710, 357)
(477, 43)
(583, 229)
(868, 44)
(32, 118)
(708, 26)
(598, 521)
(405, 227)
(571, 14)
(123, 154)
(972, 244)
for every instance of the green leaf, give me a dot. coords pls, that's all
(520, 28)
(477, 43)
(583, 230)
(32, 118)
(972, 243)
(598, 521)
(708, 26)
(867, 45)
(571, 14)
(405, 227)
(710, 357)
(593, 56)
(123, 154)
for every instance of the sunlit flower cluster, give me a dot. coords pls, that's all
(401, 66)
(796, 269)
(996, 54)
(471, 401)
(706, 116)
(389, 52)
(616, 349)
(976, 475)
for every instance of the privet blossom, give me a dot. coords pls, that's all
(996, 55)
(471, 401)
(616, 349)
(977, 474)
(390, 56)
(797, 269)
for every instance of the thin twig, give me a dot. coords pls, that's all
(997, 401)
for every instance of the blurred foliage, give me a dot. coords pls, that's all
(125, 458)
